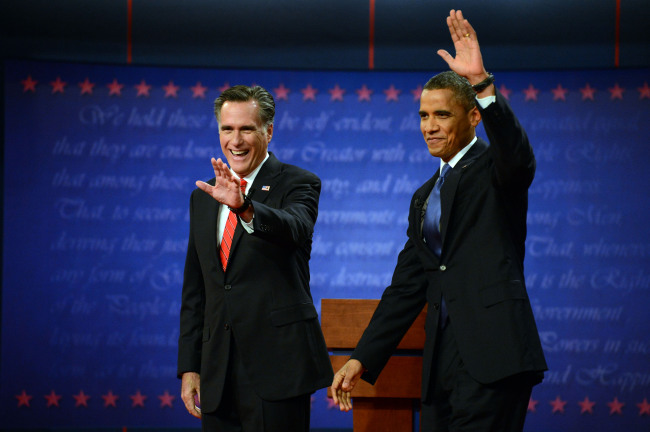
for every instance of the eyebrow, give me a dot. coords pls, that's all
(244, 127)
(437, 112)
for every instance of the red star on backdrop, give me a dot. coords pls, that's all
(23, 399)
(281, 92)
(198, 90)
(505, 91)
(143, 89)
(171, 90)
(531, 93)
(309, 93)
(392, 94)
(81, 399)
(224, 87)
(364, 93)
(138, 399)
(417, 92)
(86, 86)
(615, 407)
(644, 407)
(337, 93)
(30, 85)
(588, 92)
(586, 406)
(330, 403)
(58, 86)
(644, 92)
(52, 399)
(616, 92)
(166, 399)
(558, 405)
(114, 88)
(559, 93)
(110, 399)
(532, 405)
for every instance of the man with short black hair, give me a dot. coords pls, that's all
(464, 257)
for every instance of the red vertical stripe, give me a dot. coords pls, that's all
(617, 43)
(371, 37)
(129, 25)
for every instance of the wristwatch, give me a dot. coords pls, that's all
(243, 208)
(478, 88)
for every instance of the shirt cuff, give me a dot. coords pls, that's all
(248, 226)
(486, 101)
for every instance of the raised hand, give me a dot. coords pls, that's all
(468, 61)
(226, 187)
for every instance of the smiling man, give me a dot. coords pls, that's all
(251, 350)
(464, 258)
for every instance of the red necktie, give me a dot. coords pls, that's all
(229, 232)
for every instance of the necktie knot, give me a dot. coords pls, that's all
(445, 170)
(242, 185)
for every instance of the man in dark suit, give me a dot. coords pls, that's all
(251, 351)
(464, 257)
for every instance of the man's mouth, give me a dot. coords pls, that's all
(239, 153)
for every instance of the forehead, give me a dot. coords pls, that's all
(432, 100)
(240, 112)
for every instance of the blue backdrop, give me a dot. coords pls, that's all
(100, 161)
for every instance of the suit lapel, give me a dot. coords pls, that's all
(448, 192)
(206, 215)
(421, 204)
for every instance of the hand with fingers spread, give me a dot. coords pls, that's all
(468, 62)
(344, 381)
(226, 189)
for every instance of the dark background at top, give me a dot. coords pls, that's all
(331, 34)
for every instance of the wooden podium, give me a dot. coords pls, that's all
(391, 403)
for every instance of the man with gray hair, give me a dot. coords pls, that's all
(251, 351)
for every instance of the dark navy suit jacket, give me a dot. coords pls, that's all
(262, 300)
(481, 268)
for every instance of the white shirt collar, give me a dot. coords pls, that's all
(250, 178)
(453, 161)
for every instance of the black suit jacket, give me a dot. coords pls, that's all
(480, 271)
(262, 300)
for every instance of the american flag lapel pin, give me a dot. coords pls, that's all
(266, 188)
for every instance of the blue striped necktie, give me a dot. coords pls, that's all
(431, 227)
(431, 230)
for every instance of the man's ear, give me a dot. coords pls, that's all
(474, 116)
(269, 133)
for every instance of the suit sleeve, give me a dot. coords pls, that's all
(292, 223)
(192, 305)
(400, 304)
(512, 153)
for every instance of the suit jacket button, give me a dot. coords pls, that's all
(443, 267)
(436, 306)
(227, 287)
(226, 327)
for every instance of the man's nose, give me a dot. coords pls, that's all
(430, 125)
(237, 137)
